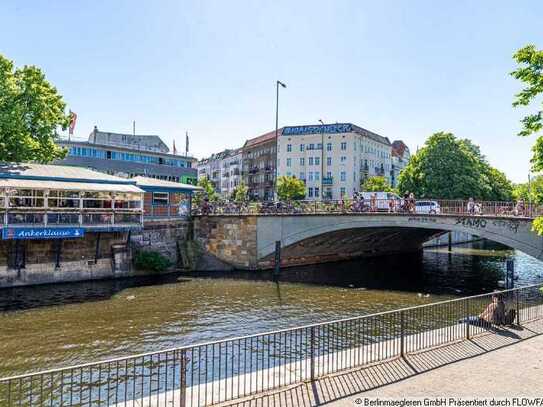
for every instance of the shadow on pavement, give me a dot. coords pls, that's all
(347, 384)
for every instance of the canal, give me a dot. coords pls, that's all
(51, 326)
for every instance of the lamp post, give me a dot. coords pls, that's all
(322, 158)
(277, 83)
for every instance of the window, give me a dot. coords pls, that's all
(311, 146)
(289, 162)
(328, 160)
(343, 159)
(310, 192)
(317, 192)
(317, 175)
(302, 175)
(342, 192)
(317, 161)
(319, 146)
(289, 174)
(344, 146)
(289, 148)
(302, 147)
(160, 198)
(310, 175)
(343, 176)
(329, 147)
(310, 160)
(302, 161)
(329, 174)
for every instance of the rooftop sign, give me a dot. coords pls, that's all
(327, 129)
(42, 233)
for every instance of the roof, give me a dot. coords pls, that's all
(45, 172)
(263, 138)
(371, 135)
(221, 155)
(399, 148)
(67, 186)
(150, 184)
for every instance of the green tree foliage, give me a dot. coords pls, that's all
(377, 184)
(290, 188)
(31, 111)
(532, 192)
(208, 192)
(530, 73)
(239, 194)
(450, 168)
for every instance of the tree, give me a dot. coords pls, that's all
(377, 184)
(31, 111)
(450, 168)
(208, 191)
(530, 73)
(290, 188)
(532, 192)
(239, 194)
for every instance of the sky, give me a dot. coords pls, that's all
(403, 69)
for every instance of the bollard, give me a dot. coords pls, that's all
(277, 269)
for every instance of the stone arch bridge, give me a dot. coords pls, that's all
(248, 241)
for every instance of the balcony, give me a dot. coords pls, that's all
(327, 180)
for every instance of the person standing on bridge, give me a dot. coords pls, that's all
(471, 206)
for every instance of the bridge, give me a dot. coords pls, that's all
(308, 237)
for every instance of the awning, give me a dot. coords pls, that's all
(68, 186)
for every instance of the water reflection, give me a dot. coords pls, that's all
(59, 325)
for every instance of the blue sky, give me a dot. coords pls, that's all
(404, 69)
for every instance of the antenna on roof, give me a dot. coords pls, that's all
(186, 144)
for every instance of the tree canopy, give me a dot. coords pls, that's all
(450, 168)
(530, 73)
(290, 188)
(376, 184)
(209, 191)
(532, 192)
(239, 194)
(31, 111)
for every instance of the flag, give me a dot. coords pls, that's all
(73, 119)
(187, 143)
(174, 149)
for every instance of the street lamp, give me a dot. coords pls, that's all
(322, 158)
(277, 83)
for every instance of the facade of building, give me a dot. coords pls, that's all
(223, 170)
(128, 155)
(400, 158)
(333, 160)
(259, 164)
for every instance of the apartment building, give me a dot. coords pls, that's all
(259, 161)
(223, 169)
(333, 159)
(128, 155)
(400, 158)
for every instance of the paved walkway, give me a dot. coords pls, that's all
(504, 364)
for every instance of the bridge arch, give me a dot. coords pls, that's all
(319, 238)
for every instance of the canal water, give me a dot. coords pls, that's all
(52, 326)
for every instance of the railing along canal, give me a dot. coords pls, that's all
(372, 207)
(215, 372)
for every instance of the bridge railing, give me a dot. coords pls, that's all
(370, 206)
(214, 372)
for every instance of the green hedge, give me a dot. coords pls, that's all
(151, 261)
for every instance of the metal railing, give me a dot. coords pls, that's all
(368, 206)
(215, 372)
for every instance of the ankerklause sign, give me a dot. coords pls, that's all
(42, 233)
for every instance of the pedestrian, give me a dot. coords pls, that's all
(471, 206)
(373, 202)
(412, 202)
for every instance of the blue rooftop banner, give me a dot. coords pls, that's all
(327, 129)
(42, 233)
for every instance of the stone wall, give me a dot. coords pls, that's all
(78, 260)
(163, 236)
(232, 239)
